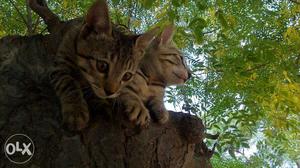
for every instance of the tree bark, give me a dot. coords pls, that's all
(298, 163)
(28, 105)
(30, 30)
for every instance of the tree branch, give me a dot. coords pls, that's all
(18, 11)
(40, 7)
(209, 32)
(298, 163)
(295, 1)
(257, 67)
(29, 19)
(211, 136)
(37, 22)
(129, 13)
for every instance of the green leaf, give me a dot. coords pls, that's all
(221, 18)
(147, 4)
(115, 2)
(172, 14)
(231, 153)
(201, 5)
(198, 23)
(245, 145)
(176, 3)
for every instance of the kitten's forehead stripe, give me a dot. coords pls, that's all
(118, 52)
(174, 53)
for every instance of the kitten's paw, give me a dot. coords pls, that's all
(163, 117)
(138, 113)
(75, 118)
(158, 112)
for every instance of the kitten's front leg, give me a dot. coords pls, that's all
(135, 108)
(74, 107)
(158, 109)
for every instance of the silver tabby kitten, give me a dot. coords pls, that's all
(163, 65)
(94, 55)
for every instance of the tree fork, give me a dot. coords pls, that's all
(41, 8)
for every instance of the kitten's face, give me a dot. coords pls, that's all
(107, 58)
(107, 64)
(173, 65)
(168, 59)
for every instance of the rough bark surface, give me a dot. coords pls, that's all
(28, 105)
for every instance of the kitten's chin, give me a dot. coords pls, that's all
(178, 78)
(178, 82)
(108, 97)
(174, 81)
(101, 94)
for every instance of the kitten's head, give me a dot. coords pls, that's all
(108, 58)
(168, 61)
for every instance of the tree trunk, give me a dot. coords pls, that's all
(28, 105)
(298, 163)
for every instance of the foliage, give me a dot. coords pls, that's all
(244, 56)
(253, 162)
(227, 163)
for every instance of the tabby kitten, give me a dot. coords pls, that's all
(163, 65)
(98, 56)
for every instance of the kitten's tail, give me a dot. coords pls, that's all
(41, 8)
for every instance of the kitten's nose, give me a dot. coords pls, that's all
(110, 88)
(108, 92)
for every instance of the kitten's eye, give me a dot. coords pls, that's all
(127, 76)
(171, 62)
(102, 66)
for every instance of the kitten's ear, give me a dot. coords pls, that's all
(144, 40)
(97, 18)
(167, 35)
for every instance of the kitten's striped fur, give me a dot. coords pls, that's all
(163, 65)
(94, 55)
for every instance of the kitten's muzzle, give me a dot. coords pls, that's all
(109, 92)
(183, 76)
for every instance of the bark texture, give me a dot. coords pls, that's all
(28, 105)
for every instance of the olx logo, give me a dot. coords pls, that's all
(19, 148)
